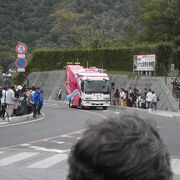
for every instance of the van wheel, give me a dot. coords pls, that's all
(80, 105)
(70, 104)
(104, 107)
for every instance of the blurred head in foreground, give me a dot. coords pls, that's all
(123, 148)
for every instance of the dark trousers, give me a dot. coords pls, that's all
(3, 107)
(39, 109)
(34, 109)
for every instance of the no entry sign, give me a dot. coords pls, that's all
(21, 48)
(21, 63)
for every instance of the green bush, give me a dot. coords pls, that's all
(116, 59)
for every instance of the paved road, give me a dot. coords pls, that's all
(39, 150)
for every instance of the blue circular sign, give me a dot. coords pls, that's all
(21, 63)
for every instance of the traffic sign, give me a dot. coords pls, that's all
(21, 48)
(21, 63)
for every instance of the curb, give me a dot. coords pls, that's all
(176, 116)
(158, 112)
(23, 118)
(19, 119)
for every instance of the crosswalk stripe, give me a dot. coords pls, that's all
(16, 158)
(48, 162)
(53, 160)
(175, 164)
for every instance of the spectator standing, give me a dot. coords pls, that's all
(3, 101)
(122, 97)
(35, 101)
(154, 101)
(1, 89)
(148, 99)
(59, 93)
(112, 97)
(40, 103)
(22, 109)
(125, 99)
(126, 148)
(8, 99)
(130, 97)
(117, 97)
(17, 101)
(145, 92)
(174, 83)
(28, 100)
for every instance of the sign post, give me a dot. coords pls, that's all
(144, 64)
(21, 61)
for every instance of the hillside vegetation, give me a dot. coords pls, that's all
(82, 24)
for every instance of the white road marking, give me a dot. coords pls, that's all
(58, 158)
(58, 142)
(175, 164)
(66, 136)
(159, 127)
(49, 150)
(46, 163)
(24, 122)
(25, 145)
(16, 158)
(50, 97)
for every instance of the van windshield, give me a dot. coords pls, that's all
(96, 87)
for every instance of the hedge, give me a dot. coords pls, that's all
(116, 59)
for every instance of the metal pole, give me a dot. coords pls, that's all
(27, 82)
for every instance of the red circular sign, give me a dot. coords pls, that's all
(21, 63)
(21, 48)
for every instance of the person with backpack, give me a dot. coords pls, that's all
(40, 103)
(35, 101)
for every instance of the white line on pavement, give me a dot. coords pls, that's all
(49, 150)
(16, 158)
(46, 163)
(175, 164)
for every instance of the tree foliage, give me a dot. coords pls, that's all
(86, 23)
(160, 20)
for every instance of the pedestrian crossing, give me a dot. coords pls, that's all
(44, 160)
(17, 157)
(49, 162)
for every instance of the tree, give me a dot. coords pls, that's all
(6, 58)
(160, 19)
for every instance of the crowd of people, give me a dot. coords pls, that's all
(20, 100)
(134, 98)
(176, 87)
